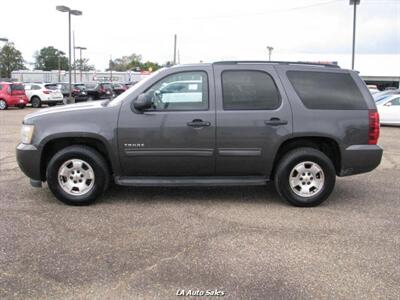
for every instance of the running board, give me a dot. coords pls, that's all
(190, 180)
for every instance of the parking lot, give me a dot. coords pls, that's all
(147, 243)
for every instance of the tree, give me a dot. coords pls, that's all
(85, 65)
(10, 59)
(50, 58)
(132, 62)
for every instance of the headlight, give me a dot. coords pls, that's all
(27, 133)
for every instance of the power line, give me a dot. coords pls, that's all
(269, 11)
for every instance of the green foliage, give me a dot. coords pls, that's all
(10, 59)
(50, 58)
(132, 62)
(85, 65)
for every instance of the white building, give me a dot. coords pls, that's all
(62, 76)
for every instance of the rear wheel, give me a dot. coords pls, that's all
(305, 177)
(3, 104)
(77, 175)
(36, 102)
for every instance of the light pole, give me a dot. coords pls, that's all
(70, 12)
(270, 52)
(3, 40)
(80, 58)
(354, 3)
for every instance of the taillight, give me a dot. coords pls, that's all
(46, 92)
(373, 132)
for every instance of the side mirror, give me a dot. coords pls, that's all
(143, 101)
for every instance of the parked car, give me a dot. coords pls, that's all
(384, 94)
(78, 92)
(43, 93)
(119, 88)
(97, 91)
(239, 123)
(389, 110)
(12, 94)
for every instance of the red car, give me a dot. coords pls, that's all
(12, 94)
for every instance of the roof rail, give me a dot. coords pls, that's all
(234, 62)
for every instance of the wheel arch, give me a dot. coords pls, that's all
(55, 143)
(327, 145)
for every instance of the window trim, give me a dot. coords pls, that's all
(182, 110)
(249, 109)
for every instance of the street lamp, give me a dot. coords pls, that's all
(70, 12)
(354, 3)
(80, 58)
(270, 52)
(3, 40)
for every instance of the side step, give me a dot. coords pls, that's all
(190, 180)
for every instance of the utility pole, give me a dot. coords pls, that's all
(110, 68)
(59, 67)
(80, 59)
(270, 52)
(175, 38)
(74, 56)
(354, 3)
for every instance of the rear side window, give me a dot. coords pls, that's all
(249, 90)
(326, 90)
(17, 87)
(51, 87)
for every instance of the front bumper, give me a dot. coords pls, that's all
(28, 158)
(358, 159)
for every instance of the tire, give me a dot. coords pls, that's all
(36, 102)
(94, 163)
(300, 188)
(3, 104)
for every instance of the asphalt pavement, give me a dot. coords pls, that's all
(243, 242)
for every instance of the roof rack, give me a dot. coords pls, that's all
(234, 62)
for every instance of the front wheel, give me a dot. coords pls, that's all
(3, 104)
(77, 175)
(305, 177)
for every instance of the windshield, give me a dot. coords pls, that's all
(131, 90)
(80, 86)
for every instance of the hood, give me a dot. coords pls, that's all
(64, 109)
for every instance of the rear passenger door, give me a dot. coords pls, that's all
(253, 118)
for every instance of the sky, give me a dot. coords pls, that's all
(210, 30)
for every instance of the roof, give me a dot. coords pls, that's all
(237, 62)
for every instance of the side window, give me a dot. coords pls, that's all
(249, 90)
(1, 87)
(35, 87)
(326, 90)
(181, 91)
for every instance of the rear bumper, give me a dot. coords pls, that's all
(28, 158)
(17, 100)
(358, 159)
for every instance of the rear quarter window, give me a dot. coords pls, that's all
(327, 90)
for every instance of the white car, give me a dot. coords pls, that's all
(389, 110)
(43, 93)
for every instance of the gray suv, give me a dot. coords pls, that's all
(226, 123)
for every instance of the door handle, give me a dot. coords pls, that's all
(275, 122)
(197, 123)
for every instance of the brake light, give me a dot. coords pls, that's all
(46, 92)
(374, 127)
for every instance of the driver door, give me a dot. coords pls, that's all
(176, 137)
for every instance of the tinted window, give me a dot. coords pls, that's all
(17, 87)
(248, 90)
(326, 90)
(1, 87)
(51, 87)
(80, 86)
(395, 101)
(181, 91)
(35, 87)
